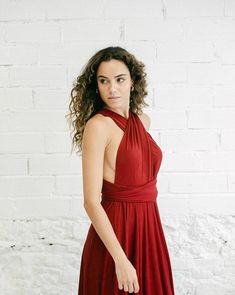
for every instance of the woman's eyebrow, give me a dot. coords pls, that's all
(114, 77)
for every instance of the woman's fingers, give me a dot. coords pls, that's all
(128, 288)
(120, 286)
(127, 277)
(125, 287)
(131, 288)
(136, 286)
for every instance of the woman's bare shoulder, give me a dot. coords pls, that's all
(99, 121)
(145, 120)
(97, 128)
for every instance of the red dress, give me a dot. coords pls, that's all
(131, 206)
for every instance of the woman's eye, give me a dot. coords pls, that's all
(102, 81)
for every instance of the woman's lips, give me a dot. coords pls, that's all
(113, 97)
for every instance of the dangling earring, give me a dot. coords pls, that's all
(96, 90)
(132, 89)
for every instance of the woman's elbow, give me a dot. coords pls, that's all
(91, 203)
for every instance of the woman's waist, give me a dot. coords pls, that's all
(146, 192)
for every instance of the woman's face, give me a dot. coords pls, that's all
(114, 83)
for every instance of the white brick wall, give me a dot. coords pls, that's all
(189, 51)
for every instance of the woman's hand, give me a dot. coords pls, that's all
(126, 276)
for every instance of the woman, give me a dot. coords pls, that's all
(125, 248)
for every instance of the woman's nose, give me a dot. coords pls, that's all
(112, 87)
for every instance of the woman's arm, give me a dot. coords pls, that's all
(95, 139)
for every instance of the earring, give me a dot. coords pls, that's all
(131, 98)
(96, 90)
(132, 88)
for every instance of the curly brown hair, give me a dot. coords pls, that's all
(86, 101)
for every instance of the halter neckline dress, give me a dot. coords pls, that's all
(131, 206)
